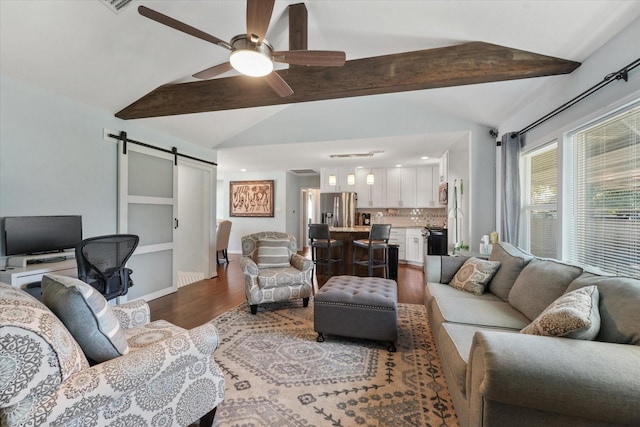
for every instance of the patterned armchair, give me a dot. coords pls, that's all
(168, 375)
(273, 271)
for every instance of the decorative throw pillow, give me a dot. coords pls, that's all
(273, 253)
(573, 315)
(87, 315)
(474, 275)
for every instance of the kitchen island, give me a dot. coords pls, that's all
(348, 235)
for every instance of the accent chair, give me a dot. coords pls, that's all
(273, 271)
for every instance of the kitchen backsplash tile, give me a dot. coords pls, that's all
(405, 217)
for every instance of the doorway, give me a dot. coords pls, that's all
(309, 212)
(195, 236)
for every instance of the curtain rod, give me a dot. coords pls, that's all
(123, 137)
(622, 74)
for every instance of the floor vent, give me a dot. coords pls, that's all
(115, 5)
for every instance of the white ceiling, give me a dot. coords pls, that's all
(83, 51)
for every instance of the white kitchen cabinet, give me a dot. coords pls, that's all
(444, 167)
(415, 246)
(398, 236)
(371, 196)
(427, 187)
(342, 180)
(401, 187)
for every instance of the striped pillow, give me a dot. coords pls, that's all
(273, 253)
(87, 315)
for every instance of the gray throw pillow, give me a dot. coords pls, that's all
(87, 315)
(474, 275)
(273, 253)
(573, 315)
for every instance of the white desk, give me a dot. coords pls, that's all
(19, 277)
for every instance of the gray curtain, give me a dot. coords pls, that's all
(510, 196)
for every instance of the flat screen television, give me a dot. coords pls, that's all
(25, 235)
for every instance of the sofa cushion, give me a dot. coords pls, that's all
(450, 266)
(87, 315)
(539, 284)
(479, 312)
(573, 315)
(455, 346)
(273, 253)
(619, 307)
(438, 290)
(512, 261)
(474, 275)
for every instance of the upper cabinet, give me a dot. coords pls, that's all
(334, 180)
(371, 195)
(444, 168)
(401, 187)
(391, 188)
(427, 187)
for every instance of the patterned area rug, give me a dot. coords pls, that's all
(278, 375)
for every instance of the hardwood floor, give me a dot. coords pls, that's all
(202, 301)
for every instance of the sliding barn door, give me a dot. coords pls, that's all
(147, 206)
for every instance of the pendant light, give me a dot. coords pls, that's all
(351, 179)
(370, 178)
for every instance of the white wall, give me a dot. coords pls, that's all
(287, 205)
(614, 55)
(241, 226)
(54, 160)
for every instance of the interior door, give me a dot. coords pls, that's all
(195, 236)
(147, 206)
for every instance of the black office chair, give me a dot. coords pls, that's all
(378, 240)
(101, 263)
(320, 238)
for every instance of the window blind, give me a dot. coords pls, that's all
(541, 201)
(604, 185)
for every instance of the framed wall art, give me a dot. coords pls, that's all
(251, 198)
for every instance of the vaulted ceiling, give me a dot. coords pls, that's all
(84, 51)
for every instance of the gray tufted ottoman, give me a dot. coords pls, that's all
(358, 307)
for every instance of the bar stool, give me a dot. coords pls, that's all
(378, 239)
(320, 238)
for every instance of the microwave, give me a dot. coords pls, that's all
(443, 193)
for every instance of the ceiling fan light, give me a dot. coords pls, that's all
(370, 178)
(250, 63)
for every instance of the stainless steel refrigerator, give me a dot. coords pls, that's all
(339, 209)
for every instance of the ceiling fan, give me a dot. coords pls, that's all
(251, 54)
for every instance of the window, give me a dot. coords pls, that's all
(603, 194)
(540, 210)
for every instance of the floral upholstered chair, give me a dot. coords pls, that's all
(273, 271)
(160, 375)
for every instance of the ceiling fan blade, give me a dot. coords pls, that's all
(181, 26)
(278, 84)
(320, 58)
(258, 17)
(214, 71)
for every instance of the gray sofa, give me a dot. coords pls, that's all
(498, 376)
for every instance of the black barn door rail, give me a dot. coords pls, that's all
(123, 137)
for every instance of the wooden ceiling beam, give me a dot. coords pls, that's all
(468, 63)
